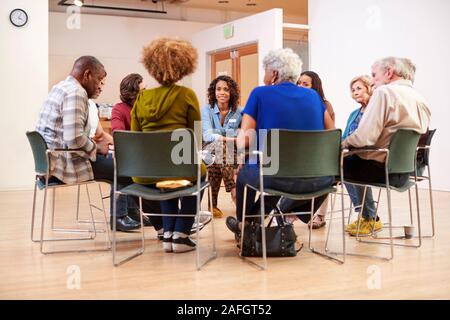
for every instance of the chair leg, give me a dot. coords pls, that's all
(117, 262)
(244, 213)
(390, 226)
(327, 253)
(411, 221)
(33, 212)
(42, 240)
(67, 230)
(200, 264)
(105, 218)
(93, 206)
(431, 201)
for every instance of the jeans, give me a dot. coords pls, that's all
(179, 224)
(368, 171)
(249, 174)
(103, 169)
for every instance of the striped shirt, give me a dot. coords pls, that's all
(64, 123)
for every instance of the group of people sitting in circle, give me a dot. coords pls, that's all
(290, 99)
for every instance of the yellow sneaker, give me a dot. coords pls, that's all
(366, 227)
(353, 225)
(217, 213)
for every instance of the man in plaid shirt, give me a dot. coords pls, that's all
(63, 122)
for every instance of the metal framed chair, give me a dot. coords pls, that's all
(400, 158)
(43, 181)
(302, 154)
(423, 161)
(159, 155)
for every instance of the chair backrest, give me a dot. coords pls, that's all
(39, 148)
(423, 155)
(402, 151)
(156, 154)
(305, 154)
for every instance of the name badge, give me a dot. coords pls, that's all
(232, 120)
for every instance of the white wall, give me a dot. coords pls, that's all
(265, 28)
(346, 37)
(116, 41)
(23, 87)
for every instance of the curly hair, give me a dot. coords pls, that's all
(234, 92)
(168, 60)
(286, 62)
(129, 88)
(316, 83)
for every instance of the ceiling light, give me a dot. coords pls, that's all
(78, 3)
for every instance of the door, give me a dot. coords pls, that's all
(241, 64)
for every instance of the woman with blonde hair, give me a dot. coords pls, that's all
(361, 90)
(169, 107)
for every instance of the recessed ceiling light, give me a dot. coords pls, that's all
(78, 3)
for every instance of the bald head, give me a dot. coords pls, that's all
(89, 72)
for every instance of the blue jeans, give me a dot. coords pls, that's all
(179, 224)
(249, 174)
(369, 171)
(356, 194)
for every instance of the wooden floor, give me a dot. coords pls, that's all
(413, 274)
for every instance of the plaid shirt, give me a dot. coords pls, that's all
(63, 122)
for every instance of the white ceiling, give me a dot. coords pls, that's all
(294, 8)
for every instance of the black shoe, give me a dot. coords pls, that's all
(233, 224)
(125, 224)
(136, 216)
(183, 245)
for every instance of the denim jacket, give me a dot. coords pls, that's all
(211, 127)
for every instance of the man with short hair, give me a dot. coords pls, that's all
(394, 105)
(64, 123)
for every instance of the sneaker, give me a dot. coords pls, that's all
(366, 227)
(184, 244)
(167, 244)
(217, 213)
(204, 219)
(233, 225)
(353, 225)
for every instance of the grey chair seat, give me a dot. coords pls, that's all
(153, 193)
(403, 188)
(300, 196)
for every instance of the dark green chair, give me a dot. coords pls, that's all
(159, 155)
(298, 154)
(43, 181)
(400, 158)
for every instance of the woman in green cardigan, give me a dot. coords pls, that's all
(169, 107)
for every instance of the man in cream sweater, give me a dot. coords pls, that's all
(394, 105)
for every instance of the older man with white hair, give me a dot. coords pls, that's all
(394, 105)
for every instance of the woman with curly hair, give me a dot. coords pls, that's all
(221, 119)
(169, 107)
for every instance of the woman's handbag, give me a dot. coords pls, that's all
(280, 240)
